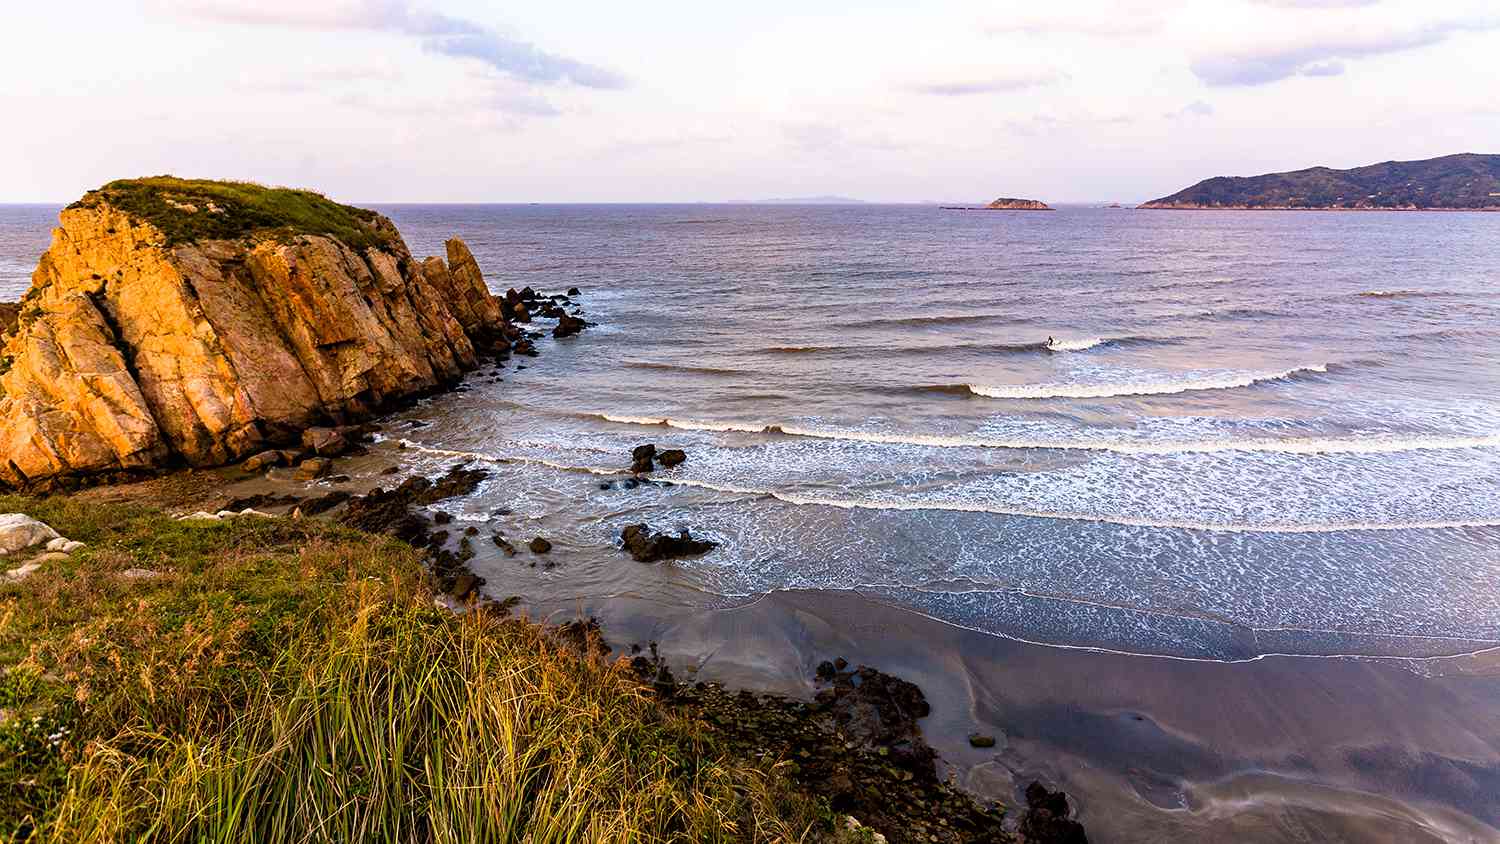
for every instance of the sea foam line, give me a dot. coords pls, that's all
(1287, 445)
(1142, 388)
(965, 507)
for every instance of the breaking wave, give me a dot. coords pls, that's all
(1283, 445)
(1224, 381)
(801, 499)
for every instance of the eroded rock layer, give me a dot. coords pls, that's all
(132, 351)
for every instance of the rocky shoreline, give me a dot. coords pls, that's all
(138, 353)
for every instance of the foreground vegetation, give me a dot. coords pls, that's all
(278, 680)
(186, 210)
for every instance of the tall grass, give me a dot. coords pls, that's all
(360, 712)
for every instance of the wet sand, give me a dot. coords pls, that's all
(1276, 749)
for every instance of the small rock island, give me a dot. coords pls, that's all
(1004, 203)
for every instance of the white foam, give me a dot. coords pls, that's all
(800, 499)
(1283, 445)
(1141, 388)
(1076, 345)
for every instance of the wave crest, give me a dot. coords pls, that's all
(1224, 381)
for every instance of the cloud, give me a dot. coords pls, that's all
(1111, 20)
(987, 84)
(437, 33)
(1316, 4)
(1280, 58)
(1196, 108)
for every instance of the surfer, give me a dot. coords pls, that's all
(1050, 341)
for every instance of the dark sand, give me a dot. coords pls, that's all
(1277, 749)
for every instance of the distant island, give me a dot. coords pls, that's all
(1004, 203)
(801, 200)
(1465, 182)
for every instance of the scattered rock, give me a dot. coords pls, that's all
(264, 460)
(981, 740)
(324, 503)
(880, 710)
(465, 585)
(567, 325)
(324, 442)
(1046, 819)
(573, 291)
(313, 467)
(671, 457)
(19, 531)
(539, 546)
(442, 517)
(261, 501)
(648, 547)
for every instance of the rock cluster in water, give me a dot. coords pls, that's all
(141, 345)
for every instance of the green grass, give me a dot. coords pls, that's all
(281, 680)
(188, 210)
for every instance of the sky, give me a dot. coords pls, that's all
(567, 101)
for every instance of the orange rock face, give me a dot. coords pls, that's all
(131, 354)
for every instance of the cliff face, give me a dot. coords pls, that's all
(137, 347)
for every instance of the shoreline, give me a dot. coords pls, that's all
(1116, 731)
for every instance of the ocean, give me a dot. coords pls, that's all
(1197, 513)
(1209, 435)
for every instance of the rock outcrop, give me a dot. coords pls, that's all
(1009, 204)
(198, 323)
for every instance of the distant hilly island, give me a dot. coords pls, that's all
(1453, 182)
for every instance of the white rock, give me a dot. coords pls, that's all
(200, 516)
(139, 574)
(19, 573)
(19, 531)
(70, 546)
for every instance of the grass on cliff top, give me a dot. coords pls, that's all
(188, 210)
(267, 680)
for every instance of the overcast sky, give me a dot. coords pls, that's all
(563, 101)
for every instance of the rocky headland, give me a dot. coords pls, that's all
(1465, 182)
(175, 322)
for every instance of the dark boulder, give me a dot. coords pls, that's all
(573, 291)
(539, 546)
(641, 458)
(1046, 819)
(567, 325)
(648, 547)
(879, 710)
(671, 457)
(981, 740)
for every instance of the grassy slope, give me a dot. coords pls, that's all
(287, 680)
(183, 210)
